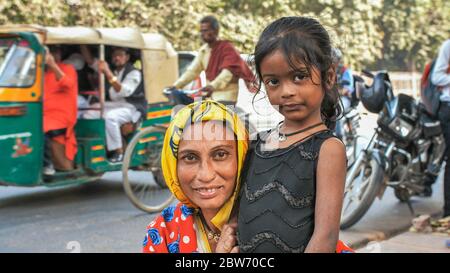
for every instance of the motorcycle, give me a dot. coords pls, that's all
(405, 152)
(349, 123)
(350, 137)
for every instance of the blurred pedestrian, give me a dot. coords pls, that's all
(345, 82)
(440, 76)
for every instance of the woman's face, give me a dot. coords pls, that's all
(207, 165)
(297, 93)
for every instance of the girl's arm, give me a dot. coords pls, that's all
(331, 172)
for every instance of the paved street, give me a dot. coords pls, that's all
(98, 217)
(409, 242)
(388, 217)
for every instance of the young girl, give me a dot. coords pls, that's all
(294, 176)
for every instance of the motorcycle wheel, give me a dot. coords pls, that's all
(361, 192)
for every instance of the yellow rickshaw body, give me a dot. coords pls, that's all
(159, 65)
(158, 57)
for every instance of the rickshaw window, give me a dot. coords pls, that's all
(184, 60)
(17, 63)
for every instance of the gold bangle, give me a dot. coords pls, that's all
(113, 80)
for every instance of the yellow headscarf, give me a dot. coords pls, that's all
(207, 110)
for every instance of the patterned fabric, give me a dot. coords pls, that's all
(198, 112)
(172, 232)
(277, 204)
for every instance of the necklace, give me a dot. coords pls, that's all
(211, 235)
(283, 137)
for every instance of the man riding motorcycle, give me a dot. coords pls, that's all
(222, 64)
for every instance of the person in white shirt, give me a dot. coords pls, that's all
(440, 76)
(125, 98)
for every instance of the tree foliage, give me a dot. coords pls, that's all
(393, 34)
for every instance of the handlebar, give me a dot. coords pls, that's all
(343, 83)
(191, 93)
(368, 73)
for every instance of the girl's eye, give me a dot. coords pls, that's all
(221, 155)
(272, 82)
(300, 77)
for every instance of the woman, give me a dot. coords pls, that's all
(202, 156)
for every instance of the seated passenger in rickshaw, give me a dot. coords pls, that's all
(87, 76)
(60, 112)
(125, 98)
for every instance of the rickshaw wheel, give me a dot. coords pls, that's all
(155, 164)
(136, 180)
(158, 176)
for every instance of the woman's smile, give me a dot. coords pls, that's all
(208, 192)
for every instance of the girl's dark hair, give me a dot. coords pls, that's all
(304, 40)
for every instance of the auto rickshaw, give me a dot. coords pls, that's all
(22, 55)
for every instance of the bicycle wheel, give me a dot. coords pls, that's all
(138, 180)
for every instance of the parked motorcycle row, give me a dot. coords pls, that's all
(404, 153)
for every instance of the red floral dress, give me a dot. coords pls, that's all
(172, 232)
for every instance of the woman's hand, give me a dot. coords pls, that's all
(227, 241)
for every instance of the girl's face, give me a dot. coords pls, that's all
(207, 165)
(298, 94)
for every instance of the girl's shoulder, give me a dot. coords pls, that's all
(324, 138)
(332, 148)
(331, 143)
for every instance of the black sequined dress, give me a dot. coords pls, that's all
(277, 198)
